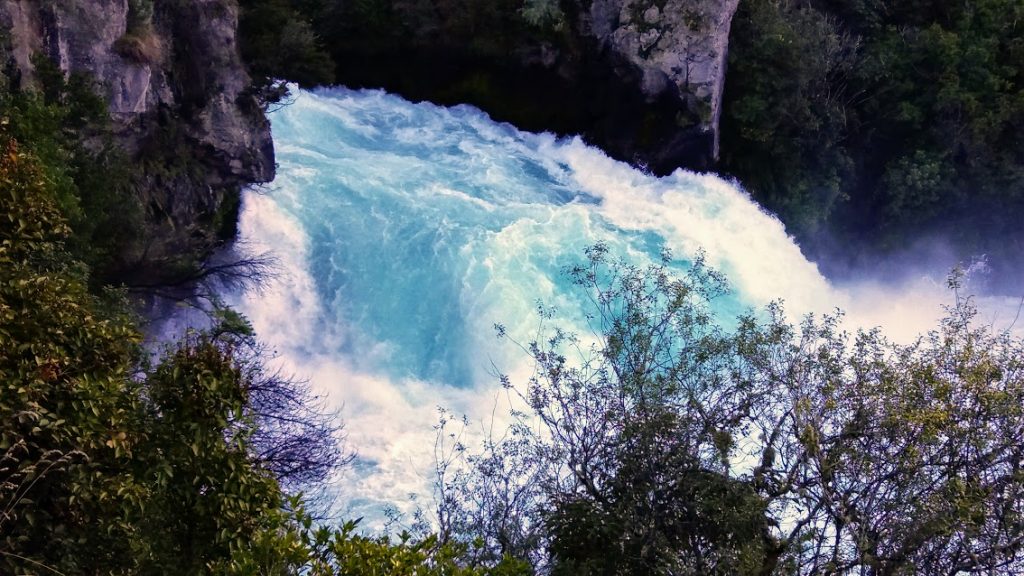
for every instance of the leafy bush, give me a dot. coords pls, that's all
(278, 43)
(109, 465)
(297, 546)
(65, 125)
(543, 13)
(673, 446)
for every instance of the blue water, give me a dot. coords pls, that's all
(405, 231)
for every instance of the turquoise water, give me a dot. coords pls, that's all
(405, 231)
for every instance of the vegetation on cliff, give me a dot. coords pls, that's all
(65, 125)
(101, 470)
(328, 37)
(422, 49)
(102, 189)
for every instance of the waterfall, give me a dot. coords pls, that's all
(405, 231)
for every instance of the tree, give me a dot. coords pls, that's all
(293, 434)
(109, 464)
(906, 459)
(278, 43)
(65, 125)
(788, 110)
(878, 121)
(206, 492)
(673, 446)
(68, 408)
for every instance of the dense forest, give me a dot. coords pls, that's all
(882, 122)
(671, 445)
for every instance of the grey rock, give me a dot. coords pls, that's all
(678, 45)
(178, 72)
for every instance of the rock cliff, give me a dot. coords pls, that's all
(179, 101)
(679, 46)
(643, 79)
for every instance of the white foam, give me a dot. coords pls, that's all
(468, 222)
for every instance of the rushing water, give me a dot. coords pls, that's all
(406, 231)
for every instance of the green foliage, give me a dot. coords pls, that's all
(64, 125)
(915, 186)
(785, 125)
(67, 399)
(543, 13)
(108, 465)
(655, 495)
(949, 88)
(278, 43)
(297, 546)
(140, 15)
(660, 514)
(673, 446)
(884, 118)
(206, 495)
(305, 40)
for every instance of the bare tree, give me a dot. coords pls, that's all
(296, 436)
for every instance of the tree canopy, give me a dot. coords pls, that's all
(880, 120)
(674, 446)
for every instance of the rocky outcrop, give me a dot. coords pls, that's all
(178, 95)
(679, 46)
(642, 79)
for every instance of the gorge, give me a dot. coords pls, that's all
(494, 228)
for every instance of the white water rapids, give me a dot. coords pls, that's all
(406, 231)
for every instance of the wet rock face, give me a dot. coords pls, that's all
(678, 46)
(175, 84)
(642, 79)
(80, 38)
